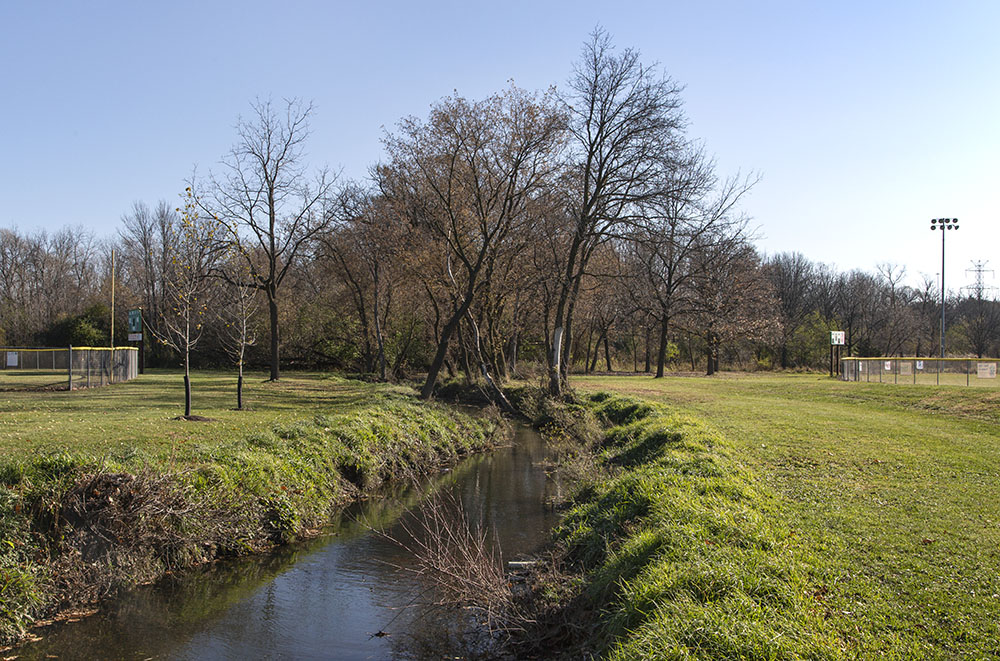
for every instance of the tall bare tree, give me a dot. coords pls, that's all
(145, 237)
(271, 209)
(627, 132)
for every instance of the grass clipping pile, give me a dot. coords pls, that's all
(674, 552)
(74, 529)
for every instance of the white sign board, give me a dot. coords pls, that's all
(920, 364)
(888, 366)
(11, 359)
(838, 338)
(135, 337)
(986, 370)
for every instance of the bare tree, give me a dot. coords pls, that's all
(792, 276)
(145, 237)
(898, 316)
(698, 217)
(271, 210)
(735, 299)
(626, 128)
(365, 250)
(465, 178)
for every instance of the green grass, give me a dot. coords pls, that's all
(142, 412)
(884, 518)
(104, 488)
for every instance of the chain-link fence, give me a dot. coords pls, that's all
(980, 372)
(65, 368)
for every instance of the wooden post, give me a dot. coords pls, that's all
(70, 367)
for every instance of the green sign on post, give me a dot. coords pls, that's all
(134, 325)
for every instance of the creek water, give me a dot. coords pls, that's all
(350, 593)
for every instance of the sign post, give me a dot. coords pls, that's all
(837, 339)
(135, 335)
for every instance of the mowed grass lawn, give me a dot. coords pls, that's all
(892, 494)
(142, 413)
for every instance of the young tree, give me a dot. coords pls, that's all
(188, 287)
(271, 211)
(237, 311)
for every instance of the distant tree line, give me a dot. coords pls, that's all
(522, 234)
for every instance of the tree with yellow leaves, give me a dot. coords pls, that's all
(191, 257)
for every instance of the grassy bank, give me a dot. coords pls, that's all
(105, 488)
(790, 516)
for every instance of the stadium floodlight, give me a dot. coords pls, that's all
(943, 224)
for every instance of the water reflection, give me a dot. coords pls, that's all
(329, 597)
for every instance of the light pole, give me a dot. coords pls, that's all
(943, 224)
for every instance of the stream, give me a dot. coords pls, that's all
(350, 593)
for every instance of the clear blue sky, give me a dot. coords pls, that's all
(866, 119)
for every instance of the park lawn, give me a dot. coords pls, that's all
(889, 493)
(144, 411)
(105, 488)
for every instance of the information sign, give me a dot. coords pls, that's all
(135, 321)
(135, 325)
(838, 338)
(920, 364)
(11, 359)
(986, 370)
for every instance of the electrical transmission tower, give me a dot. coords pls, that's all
(978, 288)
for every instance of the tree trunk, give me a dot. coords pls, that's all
(555, 369)
(592, 365)
(272, 308)
(432, 373)
(512, 355)
(463, 352)
(588, 365)
(649, 354)
(239, 383)
(379, 340)
(661, 353)
(607, 351)
(187, 394)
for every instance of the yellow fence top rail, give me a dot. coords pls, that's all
(75, 348)
(946, 360)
